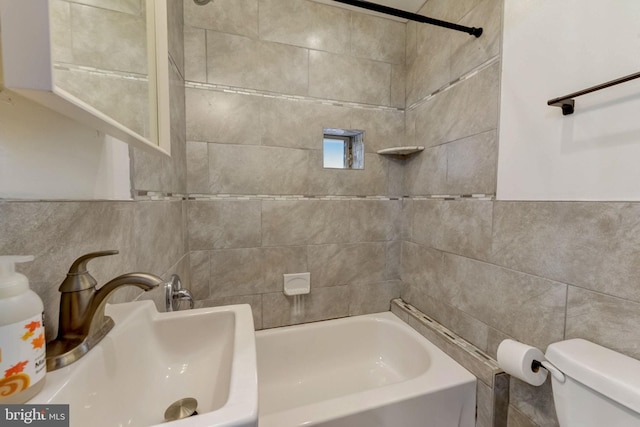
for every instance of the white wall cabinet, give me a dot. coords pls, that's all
(104, 64)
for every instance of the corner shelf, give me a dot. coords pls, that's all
(401, 151)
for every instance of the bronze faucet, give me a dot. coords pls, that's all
(83, 323)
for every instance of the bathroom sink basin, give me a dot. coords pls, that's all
(149, 360)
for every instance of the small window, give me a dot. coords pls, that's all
(343, 149)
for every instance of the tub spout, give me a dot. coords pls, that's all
(82, 322)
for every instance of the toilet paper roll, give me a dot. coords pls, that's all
(516, 359)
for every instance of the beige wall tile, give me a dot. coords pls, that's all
(346, 264)
(518, 419)
(398, 85)
(320, 304)
(229, 16)
(333, 76)
(535, 403)
(501, 399)
(306, 222)
(484, 405)
(222, 117)
(195, 54)
(237, 272)
(422, 268)
(241, 169)
(447, 10)
(208, 224)
(175, 27)
(468, 51)
(374, 220)
(372, 298)
(411, 46)
(463, 357)
(406, 219)
(377, 38)
(370, 181)
(283, 260)
(475, 102)
(157, 251)
(200, 267)
(497, 296)
(305, 23)
(197, 167)
(144, 170)
(608, 321)
(430, 68)
(393, 259)
(382, 128)
(61, 232)
(426, 172)
(465, 325)
(65, 231)
(472, 164)
(395, 177)
(300, 124)
(457, 226)
(243, 62)
(591, 245)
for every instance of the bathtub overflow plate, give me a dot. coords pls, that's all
(182, 408)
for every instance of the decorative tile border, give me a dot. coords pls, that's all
(489, 363)
(454, 83)
(266, 94)
(153, 195)
(492, 387)
(453, 197)
(101, 72)
(141, 195)
(283, 197)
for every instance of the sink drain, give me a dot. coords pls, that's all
(182, 408)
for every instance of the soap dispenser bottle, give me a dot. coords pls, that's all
(22, 339)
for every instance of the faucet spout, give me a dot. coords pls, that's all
(144, 281)
(83, 323)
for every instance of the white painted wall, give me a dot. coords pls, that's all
(552, 48)
(45, 155)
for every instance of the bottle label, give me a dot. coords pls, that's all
(22, 355)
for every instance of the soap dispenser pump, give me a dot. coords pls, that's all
(22, 338)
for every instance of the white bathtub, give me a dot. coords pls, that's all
(363, 371)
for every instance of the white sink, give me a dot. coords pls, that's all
(150, 360)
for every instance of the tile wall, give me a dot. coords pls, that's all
(264, 77)
(537, 272)
(149, 232)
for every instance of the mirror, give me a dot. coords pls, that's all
(100, 55)
(343, 149)
(102, 62)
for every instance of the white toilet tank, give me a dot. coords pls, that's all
(601, 387)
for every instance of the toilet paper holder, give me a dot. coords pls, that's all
(545, 364)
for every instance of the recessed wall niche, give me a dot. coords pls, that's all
(342, 149)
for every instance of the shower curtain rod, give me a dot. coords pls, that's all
(411, 16)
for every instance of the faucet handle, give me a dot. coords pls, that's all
(174, 293)
(78, 277)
